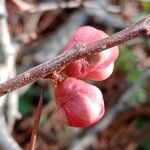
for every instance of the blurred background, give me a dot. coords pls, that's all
(34, 31)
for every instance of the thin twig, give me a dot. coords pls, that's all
(77, 52)
(36, 123)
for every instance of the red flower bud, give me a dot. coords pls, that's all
(79, 104)
(96, 67)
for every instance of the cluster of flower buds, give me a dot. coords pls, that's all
(80, 104)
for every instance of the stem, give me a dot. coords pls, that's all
(79, 51)
(36, 123)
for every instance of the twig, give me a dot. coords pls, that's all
(36, 123)
(79, 51)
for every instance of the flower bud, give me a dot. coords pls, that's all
(94, 67)
(79, 104)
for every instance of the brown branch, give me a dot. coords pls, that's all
(36, 123)
(79, 51)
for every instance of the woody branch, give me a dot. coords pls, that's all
(77, 52)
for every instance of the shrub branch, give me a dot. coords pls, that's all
(77, 52)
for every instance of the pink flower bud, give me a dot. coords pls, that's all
(96, 67)
(79, 104)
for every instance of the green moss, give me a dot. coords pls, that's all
(139, 96)
(127, 64)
